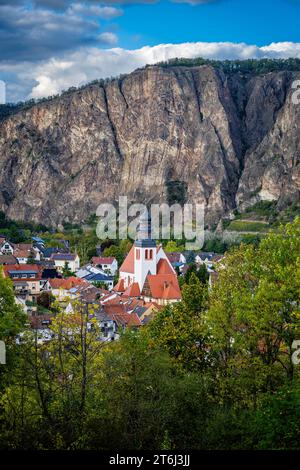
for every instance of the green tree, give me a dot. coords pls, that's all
(50, 390)
(179, 328)
(12, 317)
(115, 252)
(66, 272)
(12, 322)
(143, 398)
(201, 273)
(276, 423)
(171, 246)
(254, 315)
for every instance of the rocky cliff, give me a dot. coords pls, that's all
(159, 134)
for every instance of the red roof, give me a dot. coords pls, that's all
(133, 290)
(21, 267)
(66, 283)
(103, 260)
(163, 267)
(110, 309)
(127, 319)
(128, 263)
(24, 246)
(21, 253)
(8, 259)
(119, 287)
(163, 286)
(37, 321)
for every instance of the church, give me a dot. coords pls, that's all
(146, 271)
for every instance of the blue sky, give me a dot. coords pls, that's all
(49, 45)
(257, 22)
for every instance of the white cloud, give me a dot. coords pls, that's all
(108, 38)
(86, 64)
(39, 34)
(104, 12)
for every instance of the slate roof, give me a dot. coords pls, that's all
(203, 255)
(63, 257)
(174, 257)
(98, 277)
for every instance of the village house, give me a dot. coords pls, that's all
(61, 260)
(204, 257)
(95, 274)
(21, 251)
(6, 248)
(108, 281)
(118, 314)
(176, 259)
(88, 292)
(61, 288)
(108, 264)
(25, 251)
(26, 279)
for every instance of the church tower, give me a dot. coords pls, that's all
(144, 251)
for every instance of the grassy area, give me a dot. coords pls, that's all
(248, 226)
(266, 209)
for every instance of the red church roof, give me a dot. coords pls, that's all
(163, 267)
(119, 287)
(133, 290)
(164, 286)
(128, 263)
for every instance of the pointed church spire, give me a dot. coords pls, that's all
(144, 230)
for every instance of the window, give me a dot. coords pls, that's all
(146, 254)
(138, 254)
(151, 254)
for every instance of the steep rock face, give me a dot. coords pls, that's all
(226, 139)
(271, 162)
